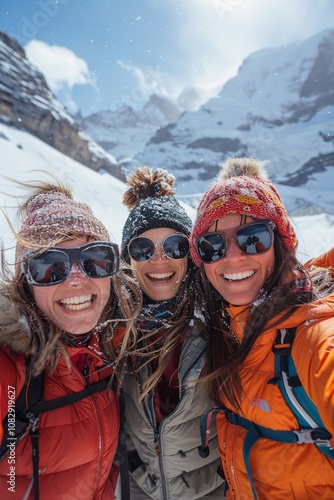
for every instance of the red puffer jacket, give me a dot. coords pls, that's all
(77, 443)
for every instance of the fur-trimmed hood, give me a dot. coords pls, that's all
(14, 329)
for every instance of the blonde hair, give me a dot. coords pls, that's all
(34, 334)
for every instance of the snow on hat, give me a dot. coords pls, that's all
(152, 204)
(242, 187)
(51, 216)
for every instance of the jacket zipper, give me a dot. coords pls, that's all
(98, 421)
(158, 431)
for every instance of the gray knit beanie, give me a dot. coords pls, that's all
(152, 204)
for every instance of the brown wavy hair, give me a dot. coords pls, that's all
(288, 287)
(159, 345)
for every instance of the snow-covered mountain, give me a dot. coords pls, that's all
(124, 132)
(280, 108)
(32, 122)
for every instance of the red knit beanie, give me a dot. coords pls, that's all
(243, 188)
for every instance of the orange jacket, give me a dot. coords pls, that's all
(283, 471)
(77, 443)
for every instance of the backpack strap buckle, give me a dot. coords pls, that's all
(304, 436)
(33, 422)
(318, 436)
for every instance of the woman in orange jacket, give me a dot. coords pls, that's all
(59, 310)
(250, 296)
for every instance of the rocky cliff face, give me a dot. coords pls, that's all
(27, 103)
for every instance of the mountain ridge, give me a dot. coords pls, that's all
(276, 108)
(279, 107)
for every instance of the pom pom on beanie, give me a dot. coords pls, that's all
(242, 187)
(153, 205)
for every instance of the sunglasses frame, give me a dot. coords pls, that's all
(270, 225)
(73, 255)
(161, 244)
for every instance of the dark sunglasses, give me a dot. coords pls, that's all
(254, 238)
(96, 259)
(175, 246)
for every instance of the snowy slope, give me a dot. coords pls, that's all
(24, 157)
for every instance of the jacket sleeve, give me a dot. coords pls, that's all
(313, 353)
(2, 416)
(11, 382)
(324, 260)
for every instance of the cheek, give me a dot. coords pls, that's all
(137, 269)
(182, 268)
(270, 262)
(105, 289)
(43, 298)
(210, 271)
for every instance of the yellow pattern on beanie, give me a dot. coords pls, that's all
(242, 187)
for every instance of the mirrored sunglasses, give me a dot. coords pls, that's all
(175, 246)
(252, 239)
(53, 266)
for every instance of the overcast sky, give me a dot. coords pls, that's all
(102, 54)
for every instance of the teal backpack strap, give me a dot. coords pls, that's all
(255, 432)
(312, 429)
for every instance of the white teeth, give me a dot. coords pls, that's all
(77, 303)
(160, 276)
(238, 276)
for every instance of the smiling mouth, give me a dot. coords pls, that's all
(160, 276)
(238, 276)
(77, 303)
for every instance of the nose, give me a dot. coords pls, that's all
(76, 276)
(159, 253)
(232, 249)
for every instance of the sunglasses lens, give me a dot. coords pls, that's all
(211, 247)
(99, 261)
(254, 238)
(53, 266)
(50, 267)
(141, 249)
(176, 246)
